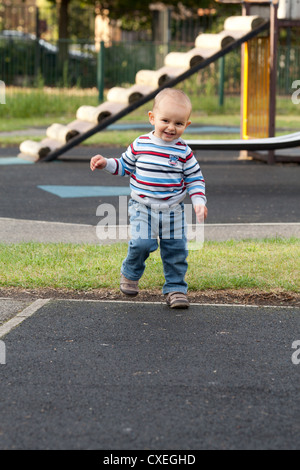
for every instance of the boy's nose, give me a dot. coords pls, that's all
(171, 126)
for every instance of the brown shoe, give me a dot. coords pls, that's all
(177, 300)
(129, 287)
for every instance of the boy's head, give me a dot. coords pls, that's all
(170, 114)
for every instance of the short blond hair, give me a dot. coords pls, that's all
(175, 94)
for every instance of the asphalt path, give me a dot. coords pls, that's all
(132, 376)
(237, 191)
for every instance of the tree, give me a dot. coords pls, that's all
(63, 19)
(64, 14)
(63, 27)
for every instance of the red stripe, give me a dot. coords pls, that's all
(117, 169)
(143, 152)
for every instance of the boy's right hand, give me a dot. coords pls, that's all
(201, 213)
(98, 162)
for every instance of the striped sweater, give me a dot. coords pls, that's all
(160, 172)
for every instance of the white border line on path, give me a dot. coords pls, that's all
(143, 302)
(251, 224)
(197, 304)
(21, 230)
(20, 317)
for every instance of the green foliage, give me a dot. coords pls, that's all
(136, 14)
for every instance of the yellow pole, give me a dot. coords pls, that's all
(245, 93)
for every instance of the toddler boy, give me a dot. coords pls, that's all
(162, 168)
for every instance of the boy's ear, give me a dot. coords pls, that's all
(151, 117)
(188, 123)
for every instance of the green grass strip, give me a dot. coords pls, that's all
(265, 264)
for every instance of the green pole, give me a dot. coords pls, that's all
(222, 79)
(100, 72)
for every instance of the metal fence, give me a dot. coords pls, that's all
(26, 61)
(288, 68)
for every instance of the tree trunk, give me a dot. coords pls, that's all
(63, 33)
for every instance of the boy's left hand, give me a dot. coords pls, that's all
(201, 212)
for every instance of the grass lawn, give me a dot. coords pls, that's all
(265, 264)
(28, 108)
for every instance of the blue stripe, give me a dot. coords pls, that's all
(86, 191)
(191, 179)
(193, 188)
(14, 161)
(161, 193)
(148, 179)
(168, 167)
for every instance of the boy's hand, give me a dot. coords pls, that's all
(201, 213)
(98, 162)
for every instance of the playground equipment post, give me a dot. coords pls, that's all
(100, 72)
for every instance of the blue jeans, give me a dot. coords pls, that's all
(147, 225)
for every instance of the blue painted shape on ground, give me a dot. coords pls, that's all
(86, 191)
(193, 129)
(212, 130)
(14, 161)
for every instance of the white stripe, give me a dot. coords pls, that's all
(143, 302)
(18, 230)
(20, 317)
(251, 224)
(254, 224)
(45, 222)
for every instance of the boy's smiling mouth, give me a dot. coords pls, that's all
(169, 134)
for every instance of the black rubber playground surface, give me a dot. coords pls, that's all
(237, 191)
(128, 376)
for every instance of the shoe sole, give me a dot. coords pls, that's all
(178, 305)
(130, 294)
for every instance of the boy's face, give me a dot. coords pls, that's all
(170, 119)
